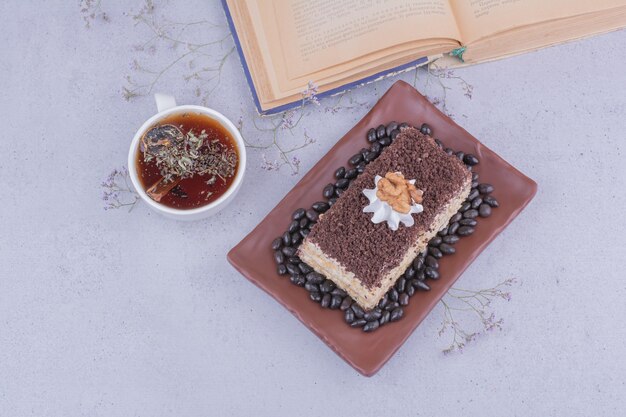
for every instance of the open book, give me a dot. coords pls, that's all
(284, 44)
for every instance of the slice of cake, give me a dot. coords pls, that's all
(360, 251)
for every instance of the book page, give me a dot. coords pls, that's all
(319, 34)
(481, 18)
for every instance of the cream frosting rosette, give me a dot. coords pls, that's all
(383, 211)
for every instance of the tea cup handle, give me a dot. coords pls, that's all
(164, 102)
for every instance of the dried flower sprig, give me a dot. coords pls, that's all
(91, 11)
(310, 94)
(203, 61)
(286, 121)
(439, 78)
(477, 302)
(340, 104)
(117, 192)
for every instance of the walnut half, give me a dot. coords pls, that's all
(398, 192)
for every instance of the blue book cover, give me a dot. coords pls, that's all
(390, 72)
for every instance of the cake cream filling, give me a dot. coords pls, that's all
(367, 297)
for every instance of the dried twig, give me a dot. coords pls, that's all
(477, 302)
(90, 11)
(117, 192)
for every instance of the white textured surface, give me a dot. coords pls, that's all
(117, 314)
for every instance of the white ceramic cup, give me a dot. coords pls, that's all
(166, 105)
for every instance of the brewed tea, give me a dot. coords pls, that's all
(187, 160)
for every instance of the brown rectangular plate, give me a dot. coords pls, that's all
(368, 352)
